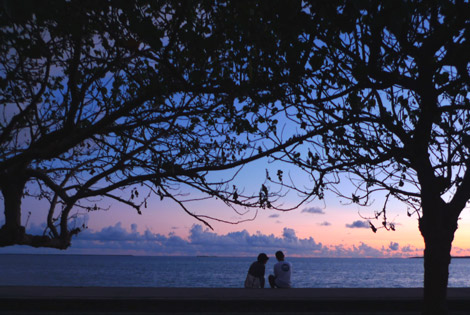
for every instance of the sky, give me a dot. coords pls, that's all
(321, 228)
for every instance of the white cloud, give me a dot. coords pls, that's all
(289, 234)
(394, 246)
(358, 225)
(314, 210)
(408, 249)
(363, 250)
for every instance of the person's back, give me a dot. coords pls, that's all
(282, 273)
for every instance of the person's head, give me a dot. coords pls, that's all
(263, 258)
(279, 255)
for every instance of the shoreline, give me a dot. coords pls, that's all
(135, 300)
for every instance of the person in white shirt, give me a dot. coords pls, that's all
(282, 273)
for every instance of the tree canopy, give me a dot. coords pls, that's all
(388, 83)
(159, 92)
(393, 94)
(128, 99)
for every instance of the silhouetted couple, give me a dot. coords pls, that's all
(280, 279)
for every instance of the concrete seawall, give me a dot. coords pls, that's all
(129, 300)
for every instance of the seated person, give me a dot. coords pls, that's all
(255, 276)
(282, 273)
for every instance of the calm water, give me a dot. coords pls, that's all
(75, 270)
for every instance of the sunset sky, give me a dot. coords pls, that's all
(162, 94)
(321, 228)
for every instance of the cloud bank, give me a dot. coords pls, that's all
(117, 239)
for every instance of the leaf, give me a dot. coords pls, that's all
(355, 198)
(264, 189)
(442, 78)
(374, 229)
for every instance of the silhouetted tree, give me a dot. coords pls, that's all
(389, 81)
(99, 97)
(125, 99)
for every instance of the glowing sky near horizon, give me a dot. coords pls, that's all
(321, 228)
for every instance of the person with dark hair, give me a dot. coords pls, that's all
(255, 276)
(282, 272)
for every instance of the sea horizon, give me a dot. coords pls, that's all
(209, 271)
(221, 256)
(211, 256)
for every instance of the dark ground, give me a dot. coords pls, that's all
(217, 301)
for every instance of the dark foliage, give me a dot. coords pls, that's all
(388, 85)
(128, 99)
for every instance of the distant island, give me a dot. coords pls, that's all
(453, 257)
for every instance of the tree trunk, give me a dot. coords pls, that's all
(438, 228)
(12, 232)
(12, 190)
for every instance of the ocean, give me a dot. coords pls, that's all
(226, 272)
